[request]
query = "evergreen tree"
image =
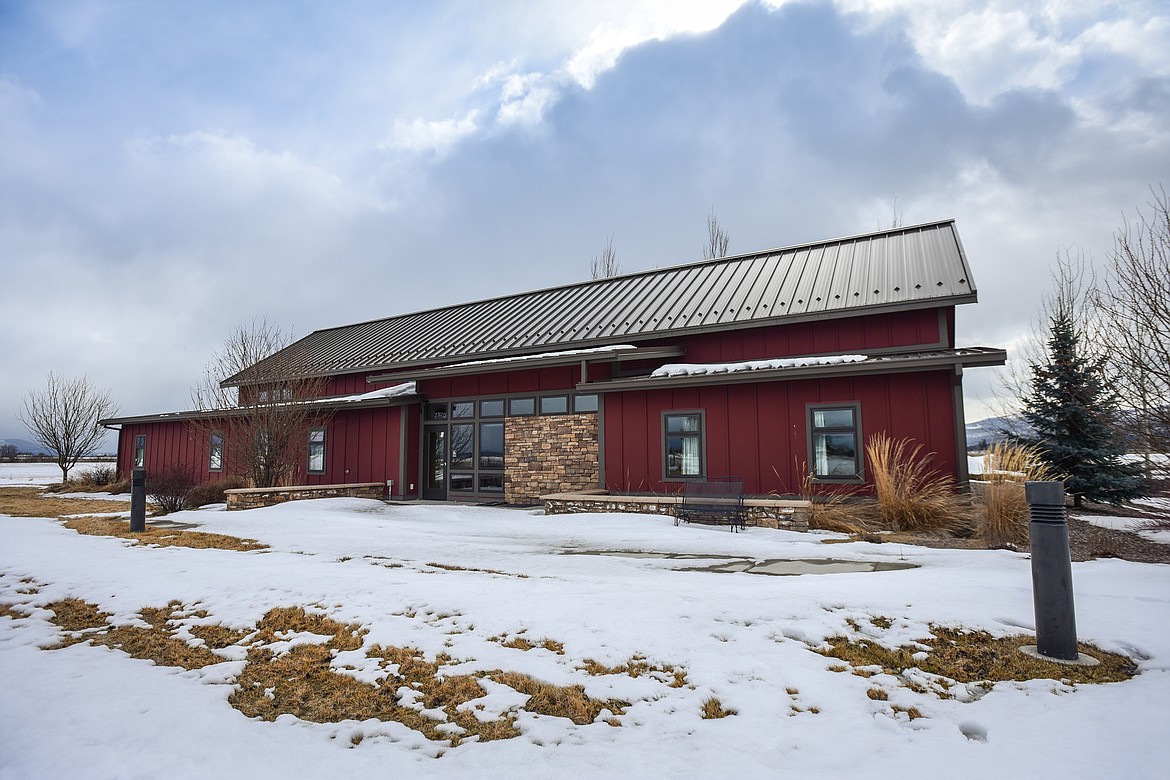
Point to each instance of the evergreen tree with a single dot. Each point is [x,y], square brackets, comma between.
[1073,414]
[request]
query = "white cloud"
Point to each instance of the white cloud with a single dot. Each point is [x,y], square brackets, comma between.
[992,47]
[1144,41]
[435,137]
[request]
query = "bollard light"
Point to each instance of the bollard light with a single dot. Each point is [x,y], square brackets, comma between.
[1052,593]
[138,501]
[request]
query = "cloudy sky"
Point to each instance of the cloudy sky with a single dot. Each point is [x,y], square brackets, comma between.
[170,170]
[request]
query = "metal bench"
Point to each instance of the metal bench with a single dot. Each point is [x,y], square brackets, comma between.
[716,500]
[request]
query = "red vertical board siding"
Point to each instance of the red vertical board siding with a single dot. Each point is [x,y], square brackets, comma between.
[413,450]
[828,336]
[493,384]
[743,432]
[758,431]
[713,400]
[615,464]
[378,448]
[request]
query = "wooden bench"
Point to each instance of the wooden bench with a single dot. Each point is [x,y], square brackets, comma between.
[716,500]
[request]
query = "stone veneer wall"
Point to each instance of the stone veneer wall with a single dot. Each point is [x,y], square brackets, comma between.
[251,498]
[549,454]
[788,514]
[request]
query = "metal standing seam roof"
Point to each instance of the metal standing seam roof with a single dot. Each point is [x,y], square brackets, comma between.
[900,268]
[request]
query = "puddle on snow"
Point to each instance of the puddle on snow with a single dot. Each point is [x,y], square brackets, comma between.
[776,567]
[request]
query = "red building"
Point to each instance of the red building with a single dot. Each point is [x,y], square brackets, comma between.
[760,366]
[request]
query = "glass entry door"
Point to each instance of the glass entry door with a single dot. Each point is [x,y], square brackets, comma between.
[435,454]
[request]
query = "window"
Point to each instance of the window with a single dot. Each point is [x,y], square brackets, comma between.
[463,446]
[683,452]
[521,406]
[286,394]
[585,403]
[491,446]
[263,396]
[834,435]
[554,404]
[436,412]
[491,408]
[463,409]
[316,450]
[140,451]
[215,453]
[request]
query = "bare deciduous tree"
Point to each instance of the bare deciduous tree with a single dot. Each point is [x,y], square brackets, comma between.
[63,417]
[897,219]
[606,264]
[262,399]
[1134,305]
[717,239]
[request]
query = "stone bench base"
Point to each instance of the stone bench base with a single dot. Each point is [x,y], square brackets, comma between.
[251,498]
[789,514]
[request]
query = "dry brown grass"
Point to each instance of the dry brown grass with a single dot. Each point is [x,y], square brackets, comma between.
[9,610]
[976,656]
[1004,518]
[156,644]
[520,642]
[713,709]
[31,502]
[85,621]
[217,637]
[637,666]
[913,713]
[302,682]
[453,567]
[72,615]
[161,537]
[290,620]
[561,701]
[911,496]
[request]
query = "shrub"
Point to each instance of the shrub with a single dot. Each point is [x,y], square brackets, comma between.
[832,509]
[99,476]
[1006,467]
[213,492]
[911,496]
[170,487]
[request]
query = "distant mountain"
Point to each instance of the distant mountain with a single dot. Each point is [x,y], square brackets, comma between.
[26,447]
[983,433]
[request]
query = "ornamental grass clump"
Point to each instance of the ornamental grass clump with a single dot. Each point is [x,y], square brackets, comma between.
[911,496]
[1003,521]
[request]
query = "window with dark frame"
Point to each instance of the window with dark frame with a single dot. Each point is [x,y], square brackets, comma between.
[584,403]
[215,453]
[521,407]
[834,442]
[554,404]
[140,451]
[316,450]
[682,445]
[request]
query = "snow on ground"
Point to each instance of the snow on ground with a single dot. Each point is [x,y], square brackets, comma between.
[93,712]
[35,474]
[1134,524]
[26,474]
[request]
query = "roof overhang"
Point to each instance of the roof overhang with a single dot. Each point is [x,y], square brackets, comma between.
[331,404]
[616,354]
[953,359]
